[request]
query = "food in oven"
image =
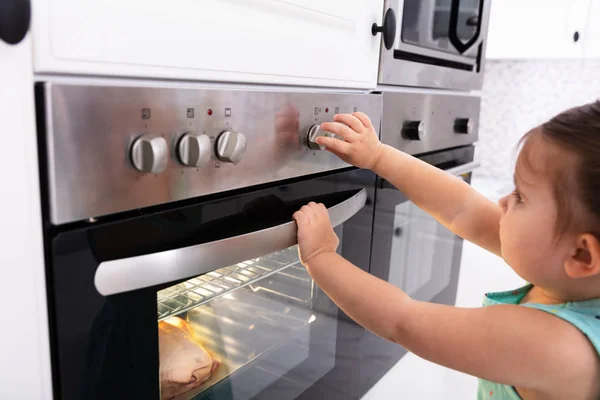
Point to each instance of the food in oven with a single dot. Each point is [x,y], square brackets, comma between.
[184,363]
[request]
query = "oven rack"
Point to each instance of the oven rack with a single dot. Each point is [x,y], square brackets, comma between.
[212,285]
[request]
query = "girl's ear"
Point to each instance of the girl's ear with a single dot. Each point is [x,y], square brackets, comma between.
[584,261]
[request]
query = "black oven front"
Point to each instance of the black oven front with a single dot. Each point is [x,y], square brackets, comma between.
[137,301]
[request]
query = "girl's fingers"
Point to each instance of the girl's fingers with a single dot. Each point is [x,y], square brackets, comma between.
[310,213]
[336,146]
[340,129]
[364,119]
[301,219]
[350,120]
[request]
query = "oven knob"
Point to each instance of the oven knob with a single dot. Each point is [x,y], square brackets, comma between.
[463,125]
[313,133]
[194,150]
[231,146]
[414,130]
[150,154]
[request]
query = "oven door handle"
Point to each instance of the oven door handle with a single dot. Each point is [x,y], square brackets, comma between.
[127,274]
[464,169]
[456,171]
[453,27]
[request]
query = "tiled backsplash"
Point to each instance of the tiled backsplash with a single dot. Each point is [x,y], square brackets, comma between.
[518,95]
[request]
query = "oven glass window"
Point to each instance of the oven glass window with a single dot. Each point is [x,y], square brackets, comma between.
[236,331]
[427,23]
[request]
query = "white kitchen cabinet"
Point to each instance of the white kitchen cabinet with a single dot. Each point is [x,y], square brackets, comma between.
[537,29]
[592,38]
[297,42]
[24,342]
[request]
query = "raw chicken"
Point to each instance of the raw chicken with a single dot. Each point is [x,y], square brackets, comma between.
[184,363]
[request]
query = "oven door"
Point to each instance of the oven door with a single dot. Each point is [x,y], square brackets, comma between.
[206,301]
[414,252]
[442,41]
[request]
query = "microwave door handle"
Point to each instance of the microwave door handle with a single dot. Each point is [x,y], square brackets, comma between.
[461,169]
[453,27]
[127,274]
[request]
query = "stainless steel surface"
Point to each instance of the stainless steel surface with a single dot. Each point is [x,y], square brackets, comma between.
[414,130]
[464,169]
[463,125]
[231,146]
[149,154]
[194,150]
[313,133]
[86,183]
[197,291]
[437,111]
[394,71]
[123,275]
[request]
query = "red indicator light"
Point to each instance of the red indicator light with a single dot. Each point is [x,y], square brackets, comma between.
[209,111]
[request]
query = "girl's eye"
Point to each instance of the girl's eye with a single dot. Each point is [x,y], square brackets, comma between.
[517,195]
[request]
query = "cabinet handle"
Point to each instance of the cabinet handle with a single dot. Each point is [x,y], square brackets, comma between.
[388,29]
[15,16]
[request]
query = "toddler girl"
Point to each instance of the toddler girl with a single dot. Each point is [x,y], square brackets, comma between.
[541,341]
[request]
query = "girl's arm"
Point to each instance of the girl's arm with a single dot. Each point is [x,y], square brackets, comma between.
[447,198]
[511,345]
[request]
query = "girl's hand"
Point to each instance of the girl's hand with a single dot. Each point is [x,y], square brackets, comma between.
[361,146]
[315,233]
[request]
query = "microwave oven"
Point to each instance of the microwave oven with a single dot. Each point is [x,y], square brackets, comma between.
[433,43]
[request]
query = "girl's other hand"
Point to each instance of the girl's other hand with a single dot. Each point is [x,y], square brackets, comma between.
[315,233]
[360,145]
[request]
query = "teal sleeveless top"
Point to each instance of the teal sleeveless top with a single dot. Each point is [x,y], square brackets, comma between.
[584,315]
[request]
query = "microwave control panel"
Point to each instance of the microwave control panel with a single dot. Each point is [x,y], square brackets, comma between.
[114,149]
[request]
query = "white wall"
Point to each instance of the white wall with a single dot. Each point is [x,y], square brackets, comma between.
[518,95]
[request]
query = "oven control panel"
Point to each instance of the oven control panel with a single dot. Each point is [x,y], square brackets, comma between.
[114,149]
[422,122]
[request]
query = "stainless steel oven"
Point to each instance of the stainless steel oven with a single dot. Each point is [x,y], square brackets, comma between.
[433,43]
[172,269]
[411,250]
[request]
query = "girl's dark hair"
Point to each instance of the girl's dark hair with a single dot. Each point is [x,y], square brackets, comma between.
[576,130]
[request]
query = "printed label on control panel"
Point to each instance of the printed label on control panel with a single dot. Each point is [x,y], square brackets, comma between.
[337,110]
[317,110]
[228,112]
[190,113]
[145,113]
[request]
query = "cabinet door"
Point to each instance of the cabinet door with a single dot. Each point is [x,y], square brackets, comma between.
[592,36]
[535,29]
[306,42]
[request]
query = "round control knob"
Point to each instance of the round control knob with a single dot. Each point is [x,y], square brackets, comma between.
[313,133]
[150,154]
[463,125]
[231,146]
[194,150]
[414,130]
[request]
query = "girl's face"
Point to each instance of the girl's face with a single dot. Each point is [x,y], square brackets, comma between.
[528,225]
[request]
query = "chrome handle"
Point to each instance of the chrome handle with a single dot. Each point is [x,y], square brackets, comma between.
[461,169]
[464,169]
[127,274]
